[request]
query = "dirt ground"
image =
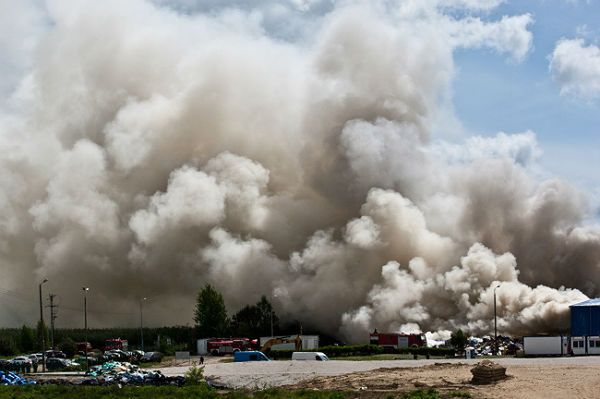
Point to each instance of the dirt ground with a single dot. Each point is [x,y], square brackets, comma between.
[524,381]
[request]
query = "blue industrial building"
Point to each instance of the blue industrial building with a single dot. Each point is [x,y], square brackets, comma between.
[585,318]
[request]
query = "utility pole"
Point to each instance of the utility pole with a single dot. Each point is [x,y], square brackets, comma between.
[42,327]
[495,323]
[271,322]
[273,296]
[85,290]
[53,316]
[142,323]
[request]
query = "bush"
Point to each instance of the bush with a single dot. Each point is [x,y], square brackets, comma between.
[195,375]
[446,352]
[366,350]
[422,394]
[335,351]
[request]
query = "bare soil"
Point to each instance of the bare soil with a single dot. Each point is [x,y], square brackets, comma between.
[524,381]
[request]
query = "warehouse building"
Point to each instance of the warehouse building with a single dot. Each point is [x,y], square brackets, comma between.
[585,327]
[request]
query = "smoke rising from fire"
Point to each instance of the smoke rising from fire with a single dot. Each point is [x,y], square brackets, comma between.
[146,152]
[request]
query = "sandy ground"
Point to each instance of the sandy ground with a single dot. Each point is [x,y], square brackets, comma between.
[531,382]
[541,378]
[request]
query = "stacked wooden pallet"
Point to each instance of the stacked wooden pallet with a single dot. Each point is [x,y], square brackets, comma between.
[487,372]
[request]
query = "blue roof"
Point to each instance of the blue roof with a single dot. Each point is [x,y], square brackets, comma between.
[589,302]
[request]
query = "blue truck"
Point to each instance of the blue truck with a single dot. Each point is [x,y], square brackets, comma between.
[249,356]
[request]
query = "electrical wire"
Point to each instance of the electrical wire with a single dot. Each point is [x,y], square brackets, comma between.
[24,298]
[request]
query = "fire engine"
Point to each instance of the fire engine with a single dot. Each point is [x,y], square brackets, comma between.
[223,346]
[397,340]
[115,343]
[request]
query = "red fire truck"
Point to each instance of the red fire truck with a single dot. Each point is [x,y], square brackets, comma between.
[392,341]
[82,347]
[115,343]
[223,346]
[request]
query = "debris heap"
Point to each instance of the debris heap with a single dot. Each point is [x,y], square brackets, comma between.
[10,378]
[487,372]
[124,373]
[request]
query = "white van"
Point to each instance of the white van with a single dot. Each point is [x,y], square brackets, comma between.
[309,356]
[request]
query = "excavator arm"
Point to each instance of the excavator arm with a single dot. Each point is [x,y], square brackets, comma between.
[276,341]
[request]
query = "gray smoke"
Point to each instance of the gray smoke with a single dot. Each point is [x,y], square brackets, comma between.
[146,151]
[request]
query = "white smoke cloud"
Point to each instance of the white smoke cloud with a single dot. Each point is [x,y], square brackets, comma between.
[521,148]
[576,68]
[193,147]
[192,199]
[419,299]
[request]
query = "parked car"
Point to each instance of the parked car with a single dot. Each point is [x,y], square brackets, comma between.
[5,365]
[116,354]
[320,356]
[21,361]
[152,357]
[55,363]
[34,358]
[137,355]
[249,356]
[55,354]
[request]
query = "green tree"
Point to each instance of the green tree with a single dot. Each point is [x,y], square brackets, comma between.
[67,345]
[245,323]
[41,329]
[458,339]
[255,320]
[265,312]
[27,339]
[210,314]
[8,347]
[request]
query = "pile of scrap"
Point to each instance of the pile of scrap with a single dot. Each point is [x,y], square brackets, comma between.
[124,373]
[485,346]
[10,378]
[487,372]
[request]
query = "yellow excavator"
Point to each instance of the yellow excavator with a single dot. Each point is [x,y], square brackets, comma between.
[282,340]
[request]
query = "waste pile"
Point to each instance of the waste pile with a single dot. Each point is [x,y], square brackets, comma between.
[10,378]
[125,373]
[484,346]
[487,372]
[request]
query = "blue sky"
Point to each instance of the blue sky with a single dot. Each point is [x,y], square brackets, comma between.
[494,94]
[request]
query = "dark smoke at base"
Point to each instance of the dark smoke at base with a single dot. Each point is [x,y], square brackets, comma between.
[185,149]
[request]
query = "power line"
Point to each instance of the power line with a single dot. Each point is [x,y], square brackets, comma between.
[16,295]
[23,298]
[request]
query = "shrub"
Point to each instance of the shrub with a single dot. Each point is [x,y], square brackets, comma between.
[366,350]
[195,375]
[422,394]
[335,351]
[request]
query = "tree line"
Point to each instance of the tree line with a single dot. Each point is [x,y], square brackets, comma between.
[210,317]
[251,321]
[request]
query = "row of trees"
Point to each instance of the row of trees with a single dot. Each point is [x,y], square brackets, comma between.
[212,320]
[25,340]
[210,316]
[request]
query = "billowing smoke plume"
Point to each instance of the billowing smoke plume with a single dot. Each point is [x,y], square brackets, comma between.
[147,149]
